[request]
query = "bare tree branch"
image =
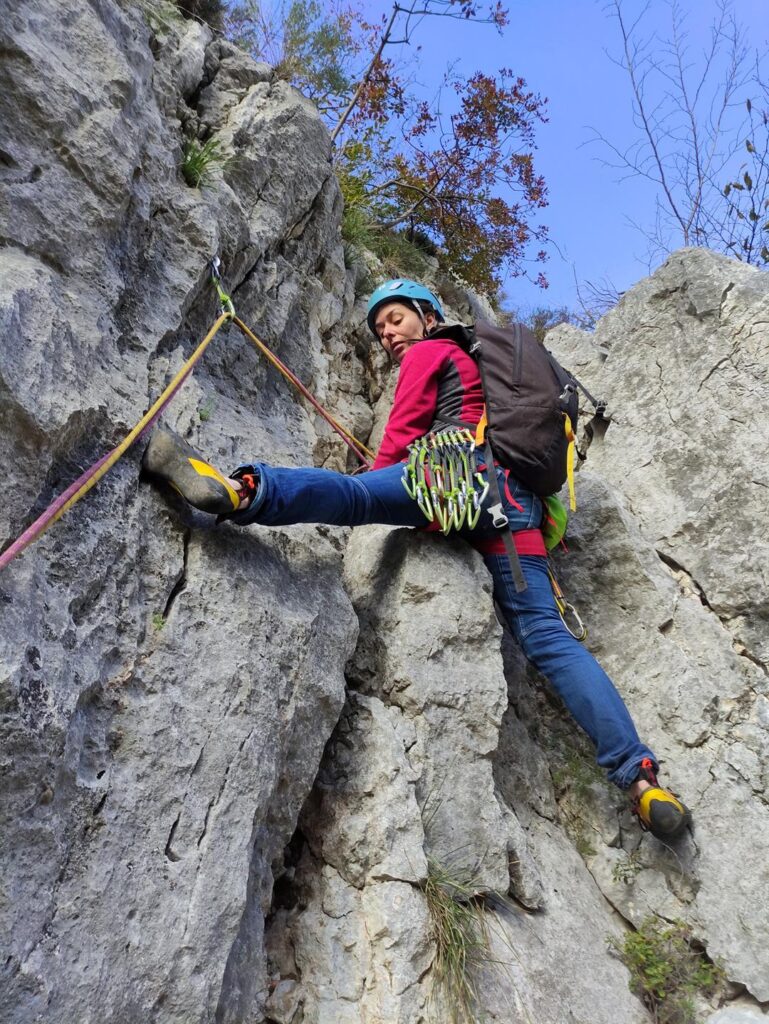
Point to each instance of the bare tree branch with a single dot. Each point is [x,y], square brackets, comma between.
[685,108]
[366,75]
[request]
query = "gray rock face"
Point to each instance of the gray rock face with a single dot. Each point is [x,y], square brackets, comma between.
[167,687]
[433,701]
[232,759]
[356,929]
[687,368]
[673,577]
[425,633]
[737,1015]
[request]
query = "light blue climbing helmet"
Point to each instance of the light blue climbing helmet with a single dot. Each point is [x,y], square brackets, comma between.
[401,290]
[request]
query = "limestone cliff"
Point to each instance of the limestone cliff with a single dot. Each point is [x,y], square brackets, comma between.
[227,755]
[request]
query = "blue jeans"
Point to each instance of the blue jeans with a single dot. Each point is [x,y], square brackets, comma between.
[287,496]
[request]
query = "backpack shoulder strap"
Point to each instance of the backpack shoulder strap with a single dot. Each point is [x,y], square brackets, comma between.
[507,537]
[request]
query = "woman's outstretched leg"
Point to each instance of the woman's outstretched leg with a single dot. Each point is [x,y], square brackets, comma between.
[272,496]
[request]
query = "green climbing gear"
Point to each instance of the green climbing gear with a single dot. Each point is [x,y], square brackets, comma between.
[555,521]
[442,475]
[224,299]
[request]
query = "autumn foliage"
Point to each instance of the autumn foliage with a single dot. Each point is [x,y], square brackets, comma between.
[456,179]
[456,169]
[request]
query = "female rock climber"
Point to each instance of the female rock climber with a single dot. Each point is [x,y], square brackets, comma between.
[438,385]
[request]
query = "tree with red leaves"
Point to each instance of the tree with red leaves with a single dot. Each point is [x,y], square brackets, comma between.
[457,171]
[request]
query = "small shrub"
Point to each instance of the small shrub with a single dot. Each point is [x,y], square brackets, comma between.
[161,15]
[199,161]
[399,256]
[206,411]
[584,846]
[574,781]
[209,11]
[539,319]
[158,621]
[577,772]
[666,970]
[421,239]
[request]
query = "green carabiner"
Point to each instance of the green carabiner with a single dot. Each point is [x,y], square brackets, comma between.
[224,299]
[423,501]
[409,478]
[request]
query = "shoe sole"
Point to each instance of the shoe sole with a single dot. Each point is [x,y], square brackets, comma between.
[169,458]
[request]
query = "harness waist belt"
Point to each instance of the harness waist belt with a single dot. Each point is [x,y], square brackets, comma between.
[527,542]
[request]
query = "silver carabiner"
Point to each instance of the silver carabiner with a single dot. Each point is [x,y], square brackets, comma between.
[571,611]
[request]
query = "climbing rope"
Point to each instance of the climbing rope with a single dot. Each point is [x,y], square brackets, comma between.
[94,473]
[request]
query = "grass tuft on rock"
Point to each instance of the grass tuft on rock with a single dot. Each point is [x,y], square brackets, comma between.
[460,931]
[399,256]
[199,161]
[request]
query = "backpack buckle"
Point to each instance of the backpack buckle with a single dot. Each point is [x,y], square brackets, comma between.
[499,517]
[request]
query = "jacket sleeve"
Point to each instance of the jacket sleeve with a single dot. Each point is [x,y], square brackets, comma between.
[414,404]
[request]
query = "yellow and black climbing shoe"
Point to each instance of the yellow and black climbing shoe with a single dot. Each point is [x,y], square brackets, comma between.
[659,811]
[169,458]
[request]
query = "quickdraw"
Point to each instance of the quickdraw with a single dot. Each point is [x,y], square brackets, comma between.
[566,610]
[215,265]
[442,475]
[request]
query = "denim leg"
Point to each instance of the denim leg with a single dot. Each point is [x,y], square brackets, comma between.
[286,496]
[582,684]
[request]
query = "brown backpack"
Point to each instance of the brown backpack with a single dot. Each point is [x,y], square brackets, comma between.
[531,406]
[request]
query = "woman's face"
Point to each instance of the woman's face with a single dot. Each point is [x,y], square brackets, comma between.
[399,327]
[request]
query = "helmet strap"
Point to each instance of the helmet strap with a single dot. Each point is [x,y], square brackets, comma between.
[420,314]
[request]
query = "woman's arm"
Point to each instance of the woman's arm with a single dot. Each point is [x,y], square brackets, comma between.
[413,408]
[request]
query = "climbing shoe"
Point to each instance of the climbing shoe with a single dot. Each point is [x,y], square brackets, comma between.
[659,811]
[169,458]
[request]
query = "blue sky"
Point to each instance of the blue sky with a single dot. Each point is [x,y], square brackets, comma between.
[560,48]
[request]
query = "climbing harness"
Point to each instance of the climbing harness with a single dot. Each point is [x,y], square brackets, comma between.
[94,473]
[442,475]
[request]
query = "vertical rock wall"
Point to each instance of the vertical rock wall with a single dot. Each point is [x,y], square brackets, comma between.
[166,685]
[513,780]
[225,774]
[671,562]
